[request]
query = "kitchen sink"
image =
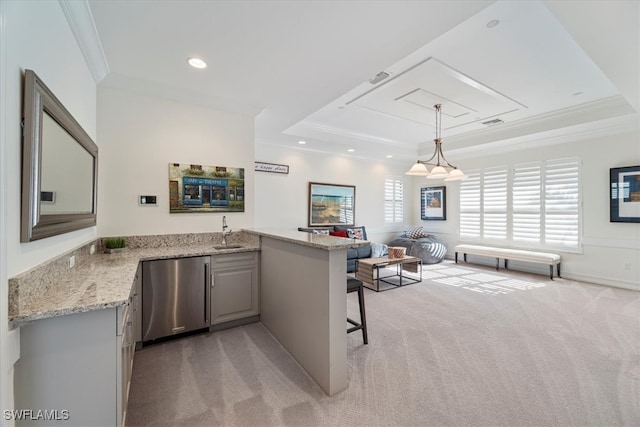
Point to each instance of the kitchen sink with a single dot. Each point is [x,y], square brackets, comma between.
[227,247]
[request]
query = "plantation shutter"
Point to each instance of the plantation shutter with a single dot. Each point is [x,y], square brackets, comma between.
[494,201]
[526,199]
[393,201]
[562,203]
[470,203]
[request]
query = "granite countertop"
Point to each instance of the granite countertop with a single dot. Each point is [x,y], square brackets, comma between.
[102,281]
[320,241]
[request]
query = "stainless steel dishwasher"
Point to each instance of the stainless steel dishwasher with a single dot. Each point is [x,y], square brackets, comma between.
[175,296]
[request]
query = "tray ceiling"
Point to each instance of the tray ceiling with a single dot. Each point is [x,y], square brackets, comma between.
[303,68]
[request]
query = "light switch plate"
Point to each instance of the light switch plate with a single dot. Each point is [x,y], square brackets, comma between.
[147,200]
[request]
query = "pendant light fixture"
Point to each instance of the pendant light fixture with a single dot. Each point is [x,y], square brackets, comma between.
[442,168]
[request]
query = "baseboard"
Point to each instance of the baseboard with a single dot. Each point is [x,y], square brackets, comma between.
[604,281]
[531,268]
[234,323]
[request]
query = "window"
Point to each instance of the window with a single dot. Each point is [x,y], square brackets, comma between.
[393,205]
[533,204]
[494,204]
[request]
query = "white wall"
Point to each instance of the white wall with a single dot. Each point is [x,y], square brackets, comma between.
[34,35]
[140,135]
[282,199]
[39,38]
[608,248]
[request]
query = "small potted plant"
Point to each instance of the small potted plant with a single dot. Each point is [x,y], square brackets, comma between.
[114,245]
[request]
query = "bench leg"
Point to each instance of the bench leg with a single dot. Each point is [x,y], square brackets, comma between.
[559,270]
[456,257]
[465,257]
[498,264]
[506,264]
[551,271]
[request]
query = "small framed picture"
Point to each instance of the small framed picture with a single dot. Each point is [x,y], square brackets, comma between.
[624,194]
[433,203]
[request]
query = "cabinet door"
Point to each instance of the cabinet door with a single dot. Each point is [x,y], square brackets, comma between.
[234,292]
[137,309]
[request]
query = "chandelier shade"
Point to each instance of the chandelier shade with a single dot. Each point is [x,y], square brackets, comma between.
[442,169]
[418,169]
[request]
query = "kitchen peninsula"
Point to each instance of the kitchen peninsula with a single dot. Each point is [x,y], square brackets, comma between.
[303,300]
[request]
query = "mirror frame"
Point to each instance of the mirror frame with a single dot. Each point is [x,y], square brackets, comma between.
[34,225]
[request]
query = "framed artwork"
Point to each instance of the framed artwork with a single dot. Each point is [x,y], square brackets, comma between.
[624,194]
[331,204]
[198,188]
[433,203]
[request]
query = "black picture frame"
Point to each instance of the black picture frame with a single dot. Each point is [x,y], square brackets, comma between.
[433,203]
[624,194]
[331,204]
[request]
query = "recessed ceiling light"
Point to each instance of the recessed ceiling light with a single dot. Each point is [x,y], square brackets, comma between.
[197,63]
[492,23]
[389,156]
[351,150]
[302,142]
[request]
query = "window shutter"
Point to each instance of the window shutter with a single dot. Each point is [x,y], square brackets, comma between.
[526,194]
[393,201]
[562,203]
[470,205]
[494,200]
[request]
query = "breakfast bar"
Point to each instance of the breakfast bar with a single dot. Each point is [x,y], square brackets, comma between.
[303,280]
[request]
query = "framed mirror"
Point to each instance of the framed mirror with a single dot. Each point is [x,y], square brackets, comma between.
[59,167]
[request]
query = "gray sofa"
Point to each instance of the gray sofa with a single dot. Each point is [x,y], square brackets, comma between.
[352,253]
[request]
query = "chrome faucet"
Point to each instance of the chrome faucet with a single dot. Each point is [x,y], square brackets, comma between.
[225,230]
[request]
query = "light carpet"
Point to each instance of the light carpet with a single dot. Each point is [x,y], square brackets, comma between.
[468,346]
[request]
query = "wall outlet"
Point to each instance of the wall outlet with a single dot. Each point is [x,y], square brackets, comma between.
[72,261]
[92,249]
[627,266]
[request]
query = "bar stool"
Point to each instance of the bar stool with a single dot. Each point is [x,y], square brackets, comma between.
[355,285]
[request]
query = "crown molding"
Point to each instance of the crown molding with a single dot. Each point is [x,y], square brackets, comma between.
[83,27]
[578,115]
[595,129]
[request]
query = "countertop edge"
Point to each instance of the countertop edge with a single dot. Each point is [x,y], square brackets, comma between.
[319,241]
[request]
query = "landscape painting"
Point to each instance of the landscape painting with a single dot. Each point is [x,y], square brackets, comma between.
[331,204]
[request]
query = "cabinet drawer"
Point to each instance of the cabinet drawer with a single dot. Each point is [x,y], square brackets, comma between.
[232,260]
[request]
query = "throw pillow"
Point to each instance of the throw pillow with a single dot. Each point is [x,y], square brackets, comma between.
[414,232]
[325,232]
[355,233]
[338,233]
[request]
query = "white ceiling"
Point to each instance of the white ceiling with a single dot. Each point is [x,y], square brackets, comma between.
[302,67]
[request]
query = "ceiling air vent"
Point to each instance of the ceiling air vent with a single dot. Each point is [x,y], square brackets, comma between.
[492,122]
[378,77]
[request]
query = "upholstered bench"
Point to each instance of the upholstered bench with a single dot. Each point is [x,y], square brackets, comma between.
[511,254]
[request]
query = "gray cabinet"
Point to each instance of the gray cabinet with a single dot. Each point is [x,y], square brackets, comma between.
[235,293]
[72,363]
[137,306]
[126,345]
[79,363]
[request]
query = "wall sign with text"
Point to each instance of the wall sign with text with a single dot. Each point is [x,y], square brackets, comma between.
[271,167]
